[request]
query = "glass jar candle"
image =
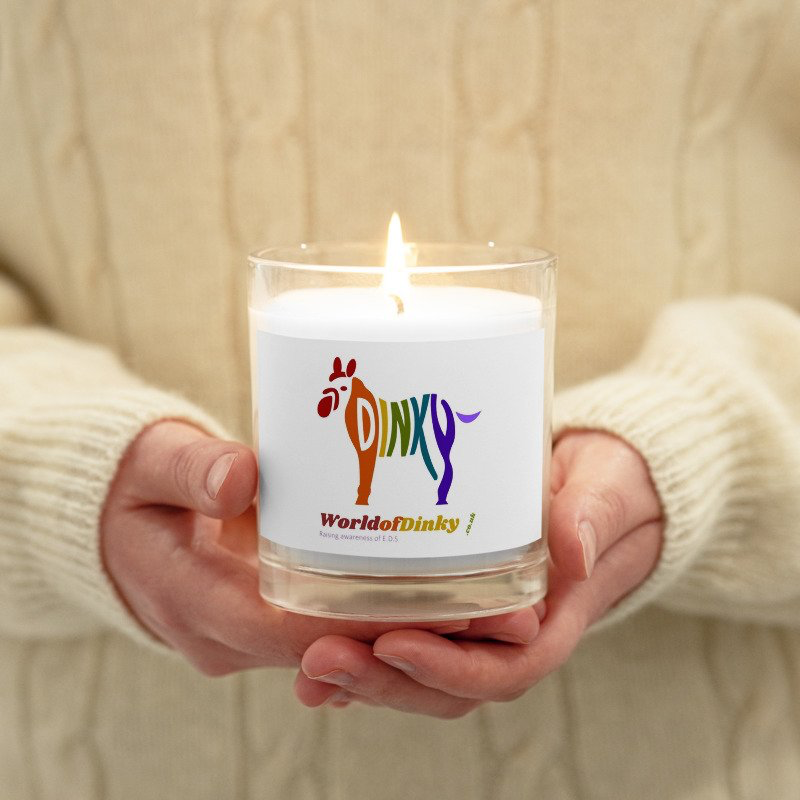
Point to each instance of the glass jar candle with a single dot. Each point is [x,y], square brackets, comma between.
[402,423]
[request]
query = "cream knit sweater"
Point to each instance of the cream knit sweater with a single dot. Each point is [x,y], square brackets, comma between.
[147,146]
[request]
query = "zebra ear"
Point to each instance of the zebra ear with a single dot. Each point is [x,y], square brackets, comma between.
[351,367]
[337,370]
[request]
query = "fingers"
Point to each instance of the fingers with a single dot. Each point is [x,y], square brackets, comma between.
[175,464]
[335,663]
[517,627]
[603,491]
[492,671]
[472,670]
[184,581]
[624,567]
[211,592]
[409,670]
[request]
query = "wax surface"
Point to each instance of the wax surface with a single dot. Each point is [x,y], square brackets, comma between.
[430,313]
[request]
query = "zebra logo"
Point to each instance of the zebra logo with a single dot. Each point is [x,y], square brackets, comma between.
[380,429]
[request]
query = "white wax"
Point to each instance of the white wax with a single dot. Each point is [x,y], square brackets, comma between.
[430,313]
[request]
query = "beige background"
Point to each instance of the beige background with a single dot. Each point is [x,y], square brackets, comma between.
[621,135]
[148,145]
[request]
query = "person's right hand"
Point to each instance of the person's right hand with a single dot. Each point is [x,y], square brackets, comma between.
[179,541]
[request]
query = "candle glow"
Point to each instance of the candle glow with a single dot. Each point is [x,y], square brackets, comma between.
[395,282]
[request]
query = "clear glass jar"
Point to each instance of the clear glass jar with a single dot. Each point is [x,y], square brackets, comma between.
[402,428]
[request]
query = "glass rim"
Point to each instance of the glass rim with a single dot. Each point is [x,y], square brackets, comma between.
[280,256]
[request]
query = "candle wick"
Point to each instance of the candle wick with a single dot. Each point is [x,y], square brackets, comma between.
[399,302]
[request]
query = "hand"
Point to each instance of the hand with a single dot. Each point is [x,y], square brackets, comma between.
[178,539]
[604,538]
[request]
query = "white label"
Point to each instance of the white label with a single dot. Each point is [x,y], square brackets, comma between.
[401,449]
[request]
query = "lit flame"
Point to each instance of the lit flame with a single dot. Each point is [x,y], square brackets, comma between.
[395,275]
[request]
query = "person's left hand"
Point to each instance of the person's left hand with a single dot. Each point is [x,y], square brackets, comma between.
[604,537]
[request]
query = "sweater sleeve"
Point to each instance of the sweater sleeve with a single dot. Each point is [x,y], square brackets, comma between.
[712,402]
[68,411]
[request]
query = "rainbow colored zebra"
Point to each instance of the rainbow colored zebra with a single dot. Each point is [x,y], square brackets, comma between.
[381,429]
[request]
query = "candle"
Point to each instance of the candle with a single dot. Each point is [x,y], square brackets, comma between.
[400,420]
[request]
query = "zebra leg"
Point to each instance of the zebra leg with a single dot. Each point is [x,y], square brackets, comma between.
[444,440]
[366,469]
[361,420]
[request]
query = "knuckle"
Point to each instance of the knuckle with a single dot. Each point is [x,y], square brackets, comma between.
[486,683]
[185,466]
[610,504]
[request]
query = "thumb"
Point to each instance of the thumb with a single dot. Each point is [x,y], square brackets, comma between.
[606,493]
[175,464]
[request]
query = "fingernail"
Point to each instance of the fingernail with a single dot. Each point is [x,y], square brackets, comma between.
[453,627]
[397,663]
[541,609]
[218,472]
[509,637]
[341,696]
[588,539]
[335,676]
